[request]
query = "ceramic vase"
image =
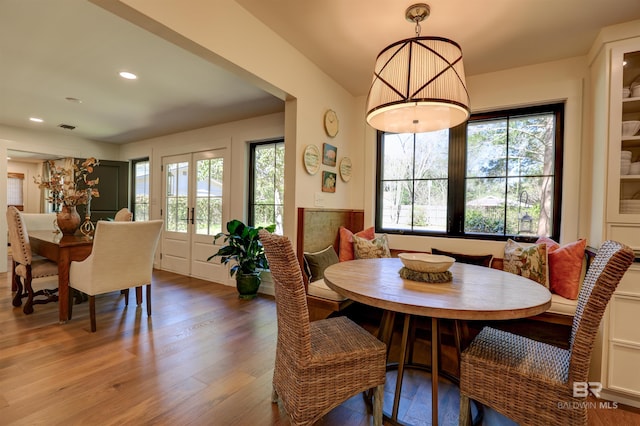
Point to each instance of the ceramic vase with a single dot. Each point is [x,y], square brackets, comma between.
[68,220]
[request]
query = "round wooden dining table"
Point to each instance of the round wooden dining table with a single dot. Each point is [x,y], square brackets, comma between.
[474,293]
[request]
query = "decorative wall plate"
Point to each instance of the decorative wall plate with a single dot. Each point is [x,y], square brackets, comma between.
[345,169]
[311,159]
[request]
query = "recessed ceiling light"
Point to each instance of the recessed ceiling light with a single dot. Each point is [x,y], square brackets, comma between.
[128,75]
[36,119]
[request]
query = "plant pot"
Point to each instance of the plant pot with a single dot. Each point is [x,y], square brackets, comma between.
[247,285]
[68,220]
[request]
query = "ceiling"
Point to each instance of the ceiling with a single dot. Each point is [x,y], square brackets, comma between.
[53,50]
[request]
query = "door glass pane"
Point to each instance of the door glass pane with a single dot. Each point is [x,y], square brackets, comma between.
[208,215]
[177,183]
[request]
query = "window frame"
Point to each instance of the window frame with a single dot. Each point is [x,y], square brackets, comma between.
[457,176]
[251,189]
[132,198]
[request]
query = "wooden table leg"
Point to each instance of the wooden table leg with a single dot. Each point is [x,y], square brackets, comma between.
[63,285]
[435,342]
[401,362]
[385,331]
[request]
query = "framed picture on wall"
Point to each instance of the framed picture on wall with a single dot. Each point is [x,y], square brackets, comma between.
[328,181]
[329,154]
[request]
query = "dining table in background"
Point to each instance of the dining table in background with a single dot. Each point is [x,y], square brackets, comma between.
[475,293]
[62,249]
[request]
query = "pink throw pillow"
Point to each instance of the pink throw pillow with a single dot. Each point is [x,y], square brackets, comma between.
[346,242]
[565,266]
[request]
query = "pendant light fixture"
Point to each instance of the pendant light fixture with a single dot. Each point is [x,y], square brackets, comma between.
[418,83]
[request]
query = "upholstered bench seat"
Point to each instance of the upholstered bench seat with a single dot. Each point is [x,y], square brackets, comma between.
[562,306]
[319,289]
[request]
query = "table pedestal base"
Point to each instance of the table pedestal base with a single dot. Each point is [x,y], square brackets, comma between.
[406,357]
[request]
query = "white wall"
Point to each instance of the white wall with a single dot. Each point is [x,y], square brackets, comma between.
[235,136]
[238,41]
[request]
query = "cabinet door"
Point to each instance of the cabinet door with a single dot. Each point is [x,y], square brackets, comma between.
[624,335]
[624,148]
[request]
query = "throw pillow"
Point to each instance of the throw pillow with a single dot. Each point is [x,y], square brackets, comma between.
[473,259]
[530,262]
[346,242]
[371,249]
[565,266]
[317,262]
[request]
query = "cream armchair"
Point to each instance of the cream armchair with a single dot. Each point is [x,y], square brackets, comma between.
[123,215]
[121,258]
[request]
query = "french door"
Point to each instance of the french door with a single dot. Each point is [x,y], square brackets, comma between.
[195,208]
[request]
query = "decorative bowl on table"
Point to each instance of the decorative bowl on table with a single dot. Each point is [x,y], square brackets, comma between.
[425,262]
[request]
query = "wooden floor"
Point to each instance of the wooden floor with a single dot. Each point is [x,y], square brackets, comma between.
[205,357]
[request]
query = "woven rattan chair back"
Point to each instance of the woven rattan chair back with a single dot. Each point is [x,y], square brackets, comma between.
[532,382]
[606,271]
[319,365]
[294,339]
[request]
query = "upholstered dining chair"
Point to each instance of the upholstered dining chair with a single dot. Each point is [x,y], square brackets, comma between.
[25,267]
[34,222]
[320,364]
[121,258]
[532,382]
[123,215]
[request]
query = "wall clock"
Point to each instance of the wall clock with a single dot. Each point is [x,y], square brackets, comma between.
[331,125]
[311,159]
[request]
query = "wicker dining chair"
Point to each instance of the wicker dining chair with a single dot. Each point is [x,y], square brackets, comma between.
[533,382]
[319,364]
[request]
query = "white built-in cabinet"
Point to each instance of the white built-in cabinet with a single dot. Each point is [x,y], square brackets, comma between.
[623,194]
[617,67]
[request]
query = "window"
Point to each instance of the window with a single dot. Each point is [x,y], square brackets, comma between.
[497,176]
[266,184]
[140,189]
[15,190]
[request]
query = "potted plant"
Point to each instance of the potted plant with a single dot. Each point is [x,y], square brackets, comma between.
[243,246]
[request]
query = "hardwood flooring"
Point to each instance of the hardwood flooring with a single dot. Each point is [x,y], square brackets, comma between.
[205,357]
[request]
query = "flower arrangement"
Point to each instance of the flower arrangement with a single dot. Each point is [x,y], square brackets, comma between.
[70,186]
